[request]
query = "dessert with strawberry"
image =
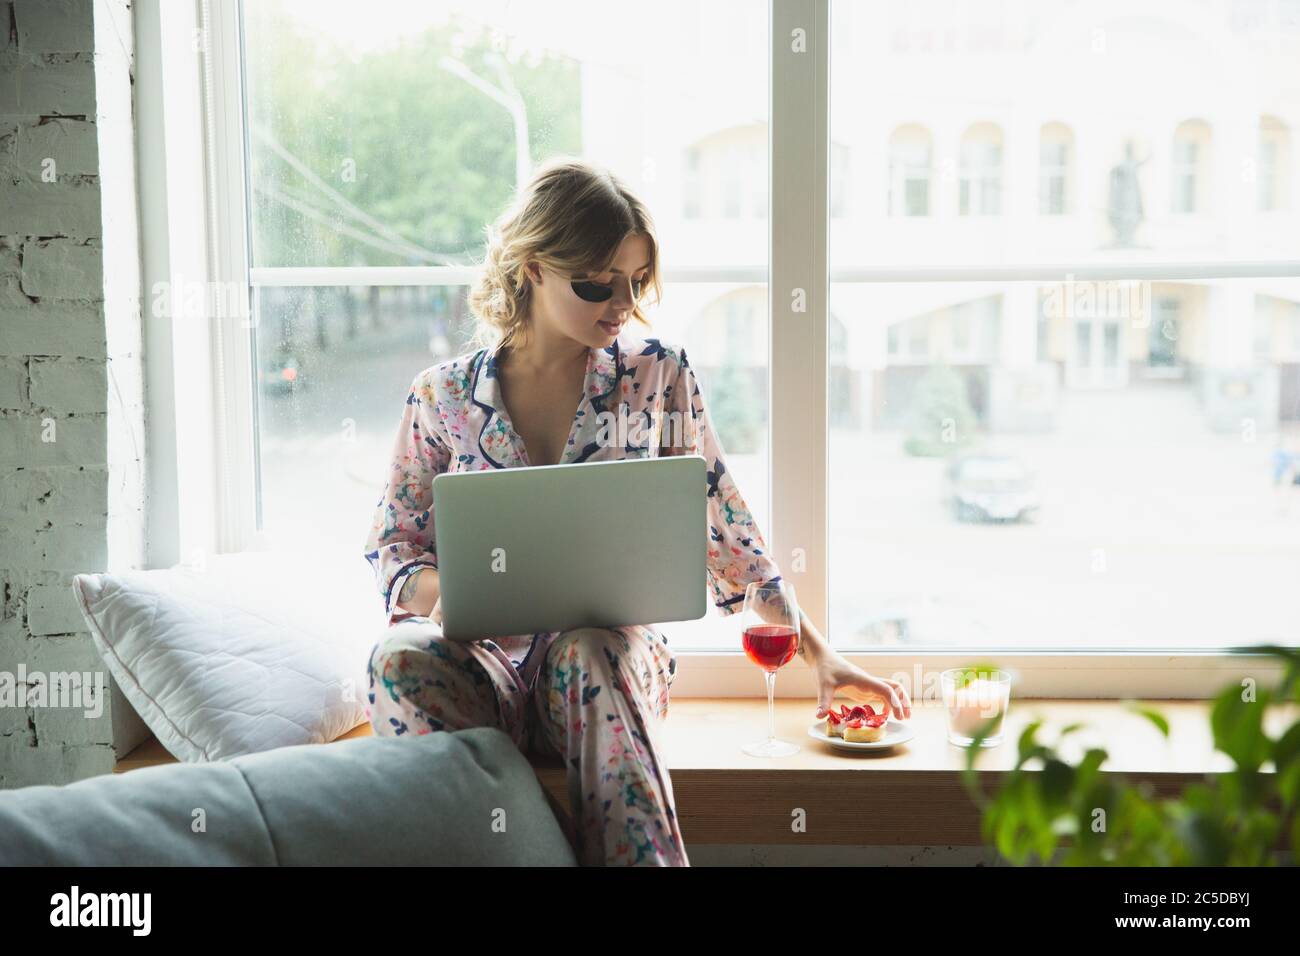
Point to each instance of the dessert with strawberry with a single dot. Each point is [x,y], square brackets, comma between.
[859,724]
[835,722]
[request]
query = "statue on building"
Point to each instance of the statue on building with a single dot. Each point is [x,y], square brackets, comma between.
[1124,206]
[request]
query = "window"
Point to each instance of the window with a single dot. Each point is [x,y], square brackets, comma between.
[1277,341]
[1162,349]
[981,171]
[961,336]
[1043,329]
[360,250]
[725,175]
[909,172]
[1190,170]
[1274,162]
[1267,173]
[1185,175]
[1054,170]
[1264,321]
[1045,332]
[918,339]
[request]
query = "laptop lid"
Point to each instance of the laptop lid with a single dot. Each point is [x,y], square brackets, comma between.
[556,547]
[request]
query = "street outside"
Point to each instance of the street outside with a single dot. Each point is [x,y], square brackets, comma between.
[1154,532]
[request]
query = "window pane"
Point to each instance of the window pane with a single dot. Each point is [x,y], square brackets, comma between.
[1163,349]
[394,138]
[1128,490]
[334,367]
[381,140]
[1155,421]
[335,364]
[1167,170]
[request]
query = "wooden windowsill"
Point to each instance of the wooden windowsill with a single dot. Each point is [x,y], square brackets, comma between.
[910,795]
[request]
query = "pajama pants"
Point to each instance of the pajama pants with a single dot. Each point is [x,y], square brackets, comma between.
[597,701]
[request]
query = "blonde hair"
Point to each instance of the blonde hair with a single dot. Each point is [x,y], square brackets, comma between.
[571,217]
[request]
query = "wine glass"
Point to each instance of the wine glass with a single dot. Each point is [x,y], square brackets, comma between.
[770,638]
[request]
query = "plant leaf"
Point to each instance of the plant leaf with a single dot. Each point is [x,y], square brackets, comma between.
[970,672]
[1157,718]
[1027,745]
[1238,727]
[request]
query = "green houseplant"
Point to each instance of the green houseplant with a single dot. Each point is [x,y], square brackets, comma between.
[1073,814]
[733,410]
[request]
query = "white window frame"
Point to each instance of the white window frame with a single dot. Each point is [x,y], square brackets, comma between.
[798,370]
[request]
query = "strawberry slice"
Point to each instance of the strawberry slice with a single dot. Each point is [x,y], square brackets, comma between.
[874,720]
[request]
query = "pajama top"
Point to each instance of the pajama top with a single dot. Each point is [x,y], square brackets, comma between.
[455,420]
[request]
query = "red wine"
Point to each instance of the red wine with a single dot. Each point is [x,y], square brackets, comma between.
[770,645]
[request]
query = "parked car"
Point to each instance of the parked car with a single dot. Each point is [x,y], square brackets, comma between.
[990,487]
[279,371]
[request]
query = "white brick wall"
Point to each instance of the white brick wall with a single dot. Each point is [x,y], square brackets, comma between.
[71,402]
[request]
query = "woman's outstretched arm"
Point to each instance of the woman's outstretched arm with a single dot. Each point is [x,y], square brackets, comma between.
[738,555]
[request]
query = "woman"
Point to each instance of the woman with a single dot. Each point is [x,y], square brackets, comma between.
[565,272]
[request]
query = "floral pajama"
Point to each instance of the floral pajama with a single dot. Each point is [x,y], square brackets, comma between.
[598,697]
[598,694]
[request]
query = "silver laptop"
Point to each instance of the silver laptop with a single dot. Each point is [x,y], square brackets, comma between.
[555,547]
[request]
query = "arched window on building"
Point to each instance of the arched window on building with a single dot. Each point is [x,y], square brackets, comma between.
[910,167]
[1271,180]
[1190,168]
[724,175]
[981,171]
[1055,170]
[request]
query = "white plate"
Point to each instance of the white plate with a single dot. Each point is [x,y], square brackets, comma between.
[896,732]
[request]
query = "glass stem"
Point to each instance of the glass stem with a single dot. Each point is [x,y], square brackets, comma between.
[771,705]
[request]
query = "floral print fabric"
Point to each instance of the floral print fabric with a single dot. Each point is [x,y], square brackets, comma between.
[598,703]
[640,399]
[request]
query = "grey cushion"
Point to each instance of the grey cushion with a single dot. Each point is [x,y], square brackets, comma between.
[467,798]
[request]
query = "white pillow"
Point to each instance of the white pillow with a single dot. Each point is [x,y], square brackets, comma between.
[255,651]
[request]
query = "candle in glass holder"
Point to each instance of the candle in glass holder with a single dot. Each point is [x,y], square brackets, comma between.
[972,706]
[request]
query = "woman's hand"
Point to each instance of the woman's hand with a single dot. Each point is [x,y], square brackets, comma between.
[833,672]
